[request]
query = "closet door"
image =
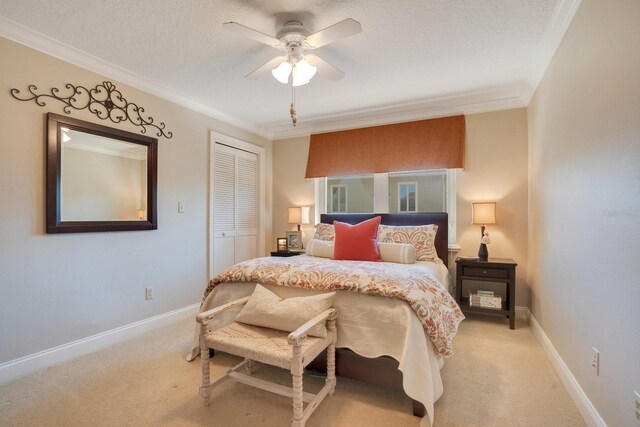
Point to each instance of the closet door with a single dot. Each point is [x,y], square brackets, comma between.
[246,206]
[235,205]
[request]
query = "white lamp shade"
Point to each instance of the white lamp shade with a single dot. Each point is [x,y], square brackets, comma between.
[305,215]
[299,215]
[303,72]
[483,213]
[282,71]
[295,215]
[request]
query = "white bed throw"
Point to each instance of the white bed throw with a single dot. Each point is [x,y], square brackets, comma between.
[370,325]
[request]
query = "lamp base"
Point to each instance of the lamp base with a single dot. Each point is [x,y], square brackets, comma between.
[483,252]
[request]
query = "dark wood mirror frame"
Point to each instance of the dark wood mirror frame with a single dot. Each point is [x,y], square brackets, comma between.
[54,151]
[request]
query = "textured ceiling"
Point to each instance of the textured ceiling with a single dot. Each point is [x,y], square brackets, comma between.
[408,51]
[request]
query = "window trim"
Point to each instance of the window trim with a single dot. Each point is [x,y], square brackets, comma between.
[407,183]
[346,198]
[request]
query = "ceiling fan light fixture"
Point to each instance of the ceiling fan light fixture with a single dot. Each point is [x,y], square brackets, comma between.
[294,40]
[282,71]
[303,72]
[307,70]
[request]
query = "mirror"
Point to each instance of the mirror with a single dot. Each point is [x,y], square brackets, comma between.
[99,178]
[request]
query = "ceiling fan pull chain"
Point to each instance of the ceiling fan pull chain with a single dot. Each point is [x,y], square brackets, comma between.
[292,110]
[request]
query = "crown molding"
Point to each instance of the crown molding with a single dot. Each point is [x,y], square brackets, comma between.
[496,99]
[553,35]
[26,36]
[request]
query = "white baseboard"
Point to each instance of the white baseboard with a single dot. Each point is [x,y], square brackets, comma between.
[25,365]
[586,408]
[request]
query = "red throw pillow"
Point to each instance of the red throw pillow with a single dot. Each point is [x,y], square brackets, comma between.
[357,242]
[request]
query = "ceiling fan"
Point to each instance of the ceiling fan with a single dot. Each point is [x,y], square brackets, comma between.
[296,41]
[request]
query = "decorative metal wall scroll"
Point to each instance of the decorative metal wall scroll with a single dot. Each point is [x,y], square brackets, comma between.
[104,100]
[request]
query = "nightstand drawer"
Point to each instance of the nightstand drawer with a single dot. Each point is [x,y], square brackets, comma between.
[485,272]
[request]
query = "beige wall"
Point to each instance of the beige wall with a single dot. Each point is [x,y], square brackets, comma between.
[496,169]
[60,288]
[584,124]
[289,186]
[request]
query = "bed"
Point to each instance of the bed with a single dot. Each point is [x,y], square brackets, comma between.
[381,340]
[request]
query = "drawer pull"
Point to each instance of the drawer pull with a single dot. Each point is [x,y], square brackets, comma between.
[498,273]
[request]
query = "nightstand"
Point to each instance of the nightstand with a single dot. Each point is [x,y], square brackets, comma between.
[497,270]
[286,254]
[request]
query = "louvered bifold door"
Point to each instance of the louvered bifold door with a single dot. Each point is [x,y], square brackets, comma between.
[246,205]
[224,207]
[235,210]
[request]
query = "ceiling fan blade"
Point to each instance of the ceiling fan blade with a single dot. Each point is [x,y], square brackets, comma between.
[241,30]
[265,69]
[324,68]
[341,30]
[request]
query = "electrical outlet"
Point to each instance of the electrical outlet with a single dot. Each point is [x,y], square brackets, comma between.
[595,363]
[180,207]
[637,396]
[148,293]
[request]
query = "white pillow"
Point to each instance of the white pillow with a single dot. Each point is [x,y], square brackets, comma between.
[320,248]
[402,253]
[268,310]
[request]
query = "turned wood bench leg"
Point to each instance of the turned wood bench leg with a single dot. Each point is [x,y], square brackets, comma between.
[205,388]
[296,373]
[331,357]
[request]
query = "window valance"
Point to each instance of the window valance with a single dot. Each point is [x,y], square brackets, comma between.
[420,145]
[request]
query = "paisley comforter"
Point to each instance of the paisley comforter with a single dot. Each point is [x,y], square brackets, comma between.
[435,308]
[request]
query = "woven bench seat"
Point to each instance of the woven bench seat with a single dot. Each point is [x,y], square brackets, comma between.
[263,344]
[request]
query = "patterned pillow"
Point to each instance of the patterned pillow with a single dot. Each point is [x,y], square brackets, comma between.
[421,236]
[326,232]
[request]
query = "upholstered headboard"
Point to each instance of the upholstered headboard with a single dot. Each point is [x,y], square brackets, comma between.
[439,219]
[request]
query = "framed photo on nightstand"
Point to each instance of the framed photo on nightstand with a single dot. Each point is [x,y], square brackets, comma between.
[294,240]
[282,244]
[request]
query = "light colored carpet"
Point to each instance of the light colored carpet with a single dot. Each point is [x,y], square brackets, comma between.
[497,377]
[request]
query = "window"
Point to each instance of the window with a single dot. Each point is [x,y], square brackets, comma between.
[401,192]
[349,194]
[424,191]
[407,197]
[338,198]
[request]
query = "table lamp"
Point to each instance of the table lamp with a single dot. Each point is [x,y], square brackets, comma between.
[299,216]
[483,213]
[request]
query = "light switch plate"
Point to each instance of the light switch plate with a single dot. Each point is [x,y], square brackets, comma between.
[180,207]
